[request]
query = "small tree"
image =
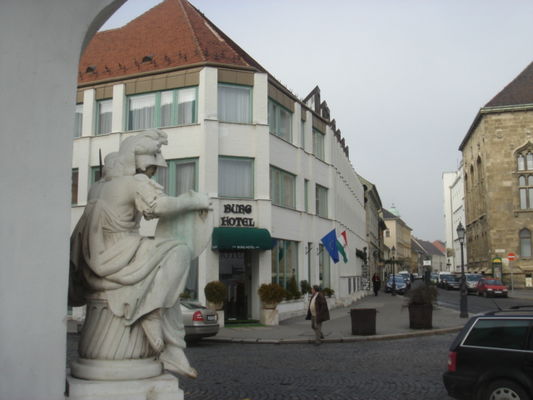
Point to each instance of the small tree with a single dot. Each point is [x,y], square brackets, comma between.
[271,293]
[305,287]
[292,289]
[215,292]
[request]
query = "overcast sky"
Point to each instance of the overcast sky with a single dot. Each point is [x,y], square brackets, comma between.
[403,79]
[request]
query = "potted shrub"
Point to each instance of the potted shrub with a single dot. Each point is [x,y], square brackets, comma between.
[271,294]
[215,294]
[292,290]
[420,298]
[305,287]
[328,292]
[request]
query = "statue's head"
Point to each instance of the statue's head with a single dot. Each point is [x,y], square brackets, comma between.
[142,151]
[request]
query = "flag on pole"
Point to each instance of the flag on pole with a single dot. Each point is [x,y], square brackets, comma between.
[342,242]
[330,243]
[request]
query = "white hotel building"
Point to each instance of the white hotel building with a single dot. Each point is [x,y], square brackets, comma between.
[275,167]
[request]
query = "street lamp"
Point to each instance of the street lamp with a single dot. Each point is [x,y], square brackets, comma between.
[393,250]
[463,290]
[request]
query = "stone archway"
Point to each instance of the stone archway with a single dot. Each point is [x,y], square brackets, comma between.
[39,53]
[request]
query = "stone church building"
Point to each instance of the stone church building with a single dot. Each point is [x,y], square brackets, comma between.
[498,178]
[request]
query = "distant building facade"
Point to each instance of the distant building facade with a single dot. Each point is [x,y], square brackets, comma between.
[453,190]
[375,226]
[398,236]
[498,180]
[276,167]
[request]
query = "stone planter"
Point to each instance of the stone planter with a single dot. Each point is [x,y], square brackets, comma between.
[269,316]
[215,306]
[420,316]
[269,306]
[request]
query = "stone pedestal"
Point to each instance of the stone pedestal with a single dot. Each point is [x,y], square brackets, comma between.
[269,316]
[220,314]
[162,387]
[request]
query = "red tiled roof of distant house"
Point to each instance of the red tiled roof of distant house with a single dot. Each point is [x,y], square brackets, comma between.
[518,92]
[170,35]
[439,245]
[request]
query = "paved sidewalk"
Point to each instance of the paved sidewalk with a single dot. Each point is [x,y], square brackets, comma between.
[392,322]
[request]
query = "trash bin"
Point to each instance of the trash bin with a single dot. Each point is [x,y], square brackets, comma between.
[363,321]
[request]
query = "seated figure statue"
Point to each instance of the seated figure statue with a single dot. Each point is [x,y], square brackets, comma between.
[131,283]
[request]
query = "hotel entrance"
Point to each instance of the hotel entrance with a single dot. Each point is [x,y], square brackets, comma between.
[235,269]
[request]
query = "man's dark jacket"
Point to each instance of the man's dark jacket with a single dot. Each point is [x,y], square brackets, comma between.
[322,312]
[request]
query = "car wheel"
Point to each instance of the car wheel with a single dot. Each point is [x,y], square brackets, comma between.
[486,294]
[505,390]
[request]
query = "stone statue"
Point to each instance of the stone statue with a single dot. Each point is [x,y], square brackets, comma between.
[131,283]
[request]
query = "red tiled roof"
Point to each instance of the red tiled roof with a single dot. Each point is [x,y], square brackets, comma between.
[518,92]
[171,34]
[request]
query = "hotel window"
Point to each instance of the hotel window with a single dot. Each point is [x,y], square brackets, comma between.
[103,116]
[279,120]
[78,117]
[302,134]
[321,196]
[323,267]
[525,190]
[525,243]
[235,177]
[234,103]
[284,262]
[318,144]
[94,175]
[179,177]
[282,188]
[161,109]
[74,186]
[306,195]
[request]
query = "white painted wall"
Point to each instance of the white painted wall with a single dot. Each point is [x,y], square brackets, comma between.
[40,53]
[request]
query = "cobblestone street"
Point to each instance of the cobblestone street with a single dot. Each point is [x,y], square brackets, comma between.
[383,370]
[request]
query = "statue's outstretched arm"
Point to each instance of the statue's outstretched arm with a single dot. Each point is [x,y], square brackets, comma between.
[166,206]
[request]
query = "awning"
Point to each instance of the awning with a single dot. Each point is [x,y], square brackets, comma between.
[225,238]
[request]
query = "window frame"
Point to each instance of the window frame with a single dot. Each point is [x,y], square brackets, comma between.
[175,115]
[274,120]
[319,146]
[524,239]
[169,186]
[321,210]
[98,120]
[283,278]
[252,177]
[74,185]
[281,188]
[78,120]
[249,90]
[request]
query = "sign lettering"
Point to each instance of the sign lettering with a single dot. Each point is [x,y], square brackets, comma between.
[240,209]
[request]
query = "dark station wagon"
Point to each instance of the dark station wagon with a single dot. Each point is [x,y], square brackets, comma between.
[492,357]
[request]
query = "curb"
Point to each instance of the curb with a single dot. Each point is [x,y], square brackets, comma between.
[349,339]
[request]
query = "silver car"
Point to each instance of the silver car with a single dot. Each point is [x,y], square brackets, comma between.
[199,321]
[471,282]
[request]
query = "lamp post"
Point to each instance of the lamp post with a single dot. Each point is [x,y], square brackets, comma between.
[463,306]
[393,250]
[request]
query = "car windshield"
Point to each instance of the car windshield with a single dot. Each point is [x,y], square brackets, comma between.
[397,279]
[473,277]
[493,282]
[452,278]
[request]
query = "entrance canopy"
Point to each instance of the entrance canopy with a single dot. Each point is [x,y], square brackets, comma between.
[241,239]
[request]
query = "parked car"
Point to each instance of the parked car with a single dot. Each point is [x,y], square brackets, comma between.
[406,276]
[471,282]
[492,357]
[199,321]
[491,287]
[434,278]
[399,281]
[442,280]
[452,282]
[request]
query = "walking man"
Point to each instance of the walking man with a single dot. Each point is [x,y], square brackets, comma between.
[317,312]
